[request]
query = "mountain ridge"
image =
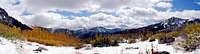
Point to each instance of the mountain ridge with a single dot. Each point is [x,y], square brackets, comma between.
[164,26]
[10,21]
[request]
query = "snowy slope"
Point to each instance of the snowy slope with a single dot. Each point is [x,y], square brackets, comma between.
[24,47]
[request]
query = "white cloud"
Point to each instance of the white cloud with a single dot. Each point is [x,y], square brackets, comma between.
[166,0]
[198,3]
[129,13]
[44,19]
[186,14]
[96,20]
[76,5]
[137,12]
[100,19]
[164,5]
[145,16]
[45,4]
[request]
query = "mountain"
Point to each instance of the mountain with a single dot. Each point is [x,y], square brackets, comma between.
[194,21]
[10,21]
[85,33]
[168,25]
[164,26]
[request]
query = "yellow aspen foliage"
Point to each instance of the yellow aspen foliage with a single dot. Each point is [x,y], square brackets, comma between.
[38,35]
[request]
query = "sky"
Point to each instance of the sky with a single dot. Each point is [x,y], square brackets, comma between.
[85,14]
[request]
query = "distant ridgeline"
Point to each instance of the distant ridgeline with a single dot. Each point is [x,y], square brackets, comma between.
[8,20]
[164,26]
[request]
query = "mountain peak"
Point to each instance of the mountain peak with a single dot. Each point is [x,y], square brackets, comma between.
[173,19]
[3,13]
[98,28]
[10,21]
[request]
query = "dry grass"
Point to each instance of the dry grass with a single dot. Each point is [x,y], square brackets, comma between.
[39,36]
[162,34]
[192,28]
[193,36]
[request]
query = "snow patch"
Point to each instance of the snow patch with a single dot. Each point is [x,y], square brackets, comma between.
[142,47]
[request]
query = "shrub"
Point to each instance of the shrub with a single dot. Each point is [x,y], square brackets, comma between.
[192,28]
[102,41]
[38,35]
[44,37]
[131,40]
[191,42]
[9,32]
[163,34]
[9,35]
[193,37]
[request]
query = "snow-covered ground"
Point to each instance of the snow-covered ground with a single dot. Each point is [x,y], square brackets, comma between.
[24,47]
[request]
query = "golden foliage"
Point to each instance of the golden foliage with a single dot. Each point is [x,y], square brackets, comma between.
[161,34]
[44,37]
[39,36]
[193,36]
[9,32]
[193,40]
[102,41]
[192,28]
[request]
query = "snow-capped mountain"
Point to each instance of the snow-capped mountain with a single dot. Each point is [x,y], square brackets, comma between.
[194,21]
[173,22]
[8,20]
[166,25]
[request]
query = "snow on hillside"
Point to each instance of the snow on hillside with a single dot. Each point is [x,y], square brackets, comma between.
[24,47]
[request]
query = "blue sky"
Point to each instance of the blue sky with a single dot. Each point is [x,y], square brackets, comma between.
[180,5]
